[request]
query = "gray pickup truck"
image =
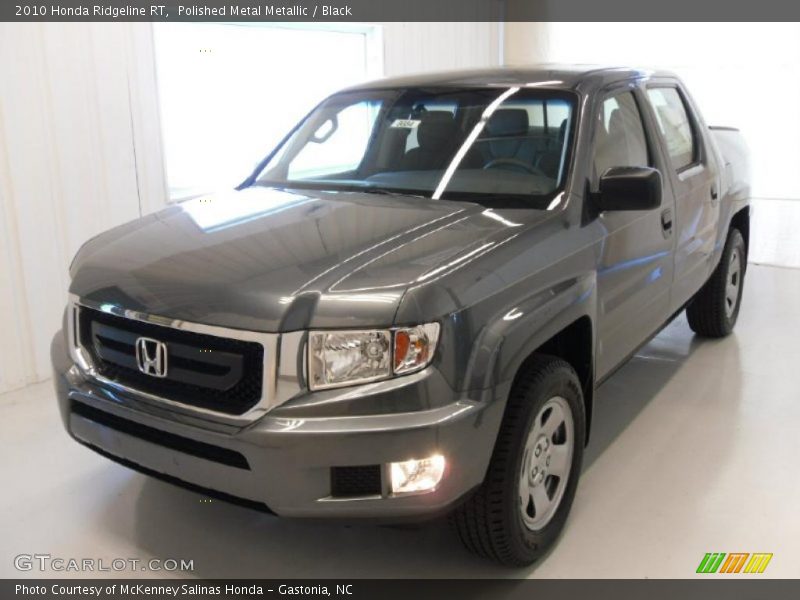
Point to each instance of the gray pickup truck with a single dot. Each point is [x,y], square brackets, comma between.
[405,310]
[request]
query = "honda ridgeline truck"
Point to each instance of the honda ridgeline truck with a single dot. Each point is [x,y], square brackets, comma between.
[407,307]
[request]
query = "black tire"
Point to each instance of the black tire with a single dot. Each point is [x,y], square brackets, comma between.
[713,312]
[490,523]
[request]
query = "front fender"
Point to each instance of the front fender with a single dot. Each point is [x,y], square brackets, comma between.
[514,334]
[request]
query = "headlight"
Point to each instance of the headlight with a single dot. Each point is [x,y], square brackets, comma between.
[339,358]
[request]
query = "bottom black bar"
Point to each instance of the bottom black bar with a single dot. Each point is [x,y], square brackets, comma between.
[390,589]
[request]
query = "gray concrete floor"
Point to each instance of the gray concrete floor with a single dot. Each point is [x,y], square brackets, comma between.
[695,449]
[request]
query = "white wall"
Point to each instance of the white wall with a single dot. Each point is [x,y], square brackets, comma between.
[743,75]
[73,162]
[420,47]
[80,151]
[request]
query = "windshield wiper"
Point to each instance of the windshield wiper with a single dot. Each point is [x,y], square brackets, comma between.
[325,186]
[387,192]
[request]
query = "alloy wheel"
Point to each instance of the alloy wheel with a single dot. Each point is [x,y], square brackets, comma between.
[546,463]
[733,283]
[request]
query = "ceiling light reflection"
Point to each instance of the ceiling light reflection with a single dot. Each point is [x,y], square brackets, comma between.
[493,215]
[455,262]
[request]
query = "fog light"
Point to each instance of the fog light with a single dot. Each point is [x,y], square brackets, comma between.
[421,475]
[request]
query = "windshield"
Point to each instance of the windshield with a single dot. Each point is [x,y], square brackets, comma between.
[474,143]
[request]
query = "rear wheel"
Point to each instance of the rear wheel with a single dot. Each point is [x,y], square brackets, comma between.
[714,309]
[524,501]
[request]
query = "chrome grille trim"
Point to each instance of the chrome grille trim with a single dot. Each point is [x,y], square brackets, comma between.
[279,383]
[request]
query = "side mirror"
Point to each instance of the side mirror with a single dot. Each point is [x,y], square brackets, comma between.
[629,188]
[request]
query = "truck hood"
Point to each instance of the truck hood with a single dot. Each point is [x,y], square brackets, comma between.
[273,260]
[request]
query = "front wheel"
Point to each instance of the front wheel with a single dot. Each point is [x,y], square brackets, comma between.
[524,501]
[714,309]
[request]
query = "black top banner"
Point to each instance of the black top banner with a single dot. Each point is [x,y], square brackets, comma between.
[399,10]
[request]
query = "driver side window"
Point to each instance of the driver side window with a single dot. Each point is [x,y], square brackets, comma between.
[619,137]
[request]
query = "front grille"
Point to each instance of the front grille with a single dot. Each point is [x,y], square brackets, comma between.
[210,452]
[205,371]
[356,481]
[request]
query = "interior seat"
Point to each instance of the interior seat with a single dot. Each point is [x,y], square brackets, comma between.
[508,137]
[436,135]
[551,160]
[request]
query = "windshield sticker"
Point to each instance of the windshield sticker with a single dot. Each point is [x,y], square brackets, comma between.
[406,123]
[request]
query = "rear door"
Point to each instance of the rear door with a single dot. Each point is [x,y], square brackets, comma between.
[694,180]
[636,266]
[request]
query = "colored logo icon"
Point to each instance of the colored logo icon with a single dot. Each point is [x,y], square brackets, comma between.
[735,562]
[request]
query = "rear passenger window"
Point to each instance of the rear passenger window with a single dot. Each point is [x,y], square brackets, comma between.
[673,121]
[620,140]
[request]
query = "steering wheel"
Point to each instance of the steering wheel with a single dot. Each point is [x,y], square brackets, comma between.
[514,163]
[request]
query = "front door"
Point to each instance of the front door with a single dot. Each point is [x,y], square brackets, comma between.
[636,263]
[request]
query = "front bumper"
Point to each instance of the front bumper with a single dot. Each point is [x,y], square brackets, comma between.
[289,458]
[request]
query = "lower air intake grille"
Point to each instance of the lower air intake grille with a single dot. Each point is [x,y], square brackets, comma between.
[355,481]
[210,452]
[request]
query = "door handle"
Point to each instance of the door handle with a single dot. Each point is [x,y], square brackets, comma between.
[714,193]
[666,220]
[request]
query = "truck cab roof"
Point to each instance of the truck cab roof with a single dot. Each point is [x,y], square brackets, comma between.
[557,76]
